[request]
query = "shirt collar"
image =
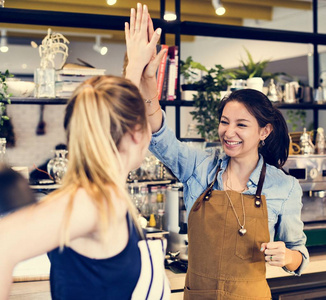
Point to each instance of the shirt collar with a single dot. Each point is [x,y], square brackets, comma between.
[254,177]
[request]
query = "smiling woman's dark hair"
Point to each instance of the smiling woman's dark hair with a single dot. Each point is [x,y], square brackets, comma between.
[276,148]
[15,192]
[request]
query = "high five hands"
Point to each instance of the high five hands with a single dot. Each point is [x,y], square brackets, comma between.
[141,40]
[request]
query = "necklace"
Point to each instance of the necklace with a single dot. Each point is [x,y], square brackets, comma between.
[242,231]
[230,186]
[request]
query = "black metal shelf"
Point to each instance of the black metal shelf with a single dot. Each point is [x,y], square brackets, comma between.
[175,103]
[177,28]
[110,22]
[300,106]
[250,33]
[31,100]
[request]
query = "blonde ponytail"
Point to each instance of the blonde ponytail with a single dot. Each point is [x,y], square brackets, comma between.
[99,113]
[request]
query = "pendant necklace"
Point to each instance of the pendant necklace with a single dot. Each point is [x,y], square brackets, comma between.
[242,231]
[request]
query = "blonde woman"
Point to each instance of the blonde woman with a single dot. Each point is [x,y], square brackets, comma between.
[88,225]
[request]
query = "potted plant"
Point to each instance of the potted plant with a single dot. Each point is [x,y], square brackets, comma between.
[253,72]
[207,100]
[191,74]
[250,69]
[4,97]
[4,119]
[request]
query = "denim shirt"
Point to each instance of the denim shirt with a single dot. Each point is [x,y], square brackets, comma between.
[196,169]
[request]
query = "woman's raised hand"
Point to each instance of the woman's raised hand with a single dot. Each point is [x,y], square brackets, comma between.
[141,40]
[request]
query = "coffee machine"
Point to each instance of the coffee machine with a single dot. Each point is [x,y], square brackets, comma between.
[310,170]
[176,222]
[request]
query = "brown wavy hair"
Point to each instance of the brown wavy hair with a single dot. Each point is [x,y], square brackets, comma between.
[276,148]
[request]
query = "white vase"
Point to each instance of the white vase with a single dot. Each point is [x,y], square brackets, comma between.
[255,83]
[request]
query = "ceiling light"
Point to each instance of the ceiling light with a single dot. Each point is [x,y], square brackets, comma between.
[111,2]
[98,47]
[3,44]
[219,8]
[170,16]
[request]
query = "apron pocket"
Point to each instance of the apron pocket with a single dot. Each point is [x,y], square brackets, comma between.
[245,244]
[199,294]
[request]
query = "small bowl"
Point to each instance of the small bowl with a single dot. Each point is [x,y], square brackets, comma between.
[20,88]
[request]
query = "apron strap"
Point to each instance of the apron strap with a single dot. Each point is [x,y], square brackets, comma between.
[260,185]
[209,190]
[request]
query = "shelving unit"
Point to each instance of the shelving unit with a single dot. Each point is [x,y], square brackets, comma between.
[177,104]
[178,28]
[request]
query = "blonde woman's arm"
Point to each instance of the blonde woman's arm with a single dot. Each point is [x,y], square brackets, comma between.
[35,230]
[141,40]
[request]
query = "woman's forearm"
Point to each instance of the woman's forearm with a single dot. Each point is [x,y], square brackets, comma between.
[5,278]
[294,259]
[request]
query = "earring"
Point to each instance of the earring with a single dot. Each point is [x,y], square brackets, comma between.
[263,142]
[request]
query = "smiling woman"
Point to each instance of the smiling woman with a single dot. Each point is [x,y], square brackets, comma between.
[238,192]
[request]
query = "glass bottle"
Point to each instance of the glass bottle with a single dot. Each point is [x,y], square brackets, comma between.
[320,141]
[136,196]
[145,209]
[153,202]
[3,143]
[192,131]
[161,208]
[305,143]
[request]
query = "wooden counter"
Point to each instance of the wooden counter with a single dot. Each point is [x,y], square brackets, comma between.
[31,277]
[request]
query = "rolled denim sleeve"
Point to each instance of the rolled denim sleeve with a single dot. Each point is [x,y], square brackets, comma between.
[290,226]
[177,156]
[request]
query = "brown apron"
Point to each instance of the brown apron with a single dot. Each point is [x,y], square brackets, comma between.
[221,263]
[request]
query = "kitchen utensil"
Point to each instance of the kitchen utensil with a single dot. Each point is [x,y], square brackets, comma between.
[291,92]
[306,145]
[272,93]
[306,94]
[40,129]
[293,147]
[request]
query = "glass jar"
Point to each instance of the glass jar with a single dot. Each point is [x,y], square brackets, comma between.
[57,166]
[193,138]
[51,163]
[60,166]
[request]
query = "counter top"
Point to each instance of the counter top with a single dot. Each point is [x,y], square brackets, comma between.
[31,278]
[38,268]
